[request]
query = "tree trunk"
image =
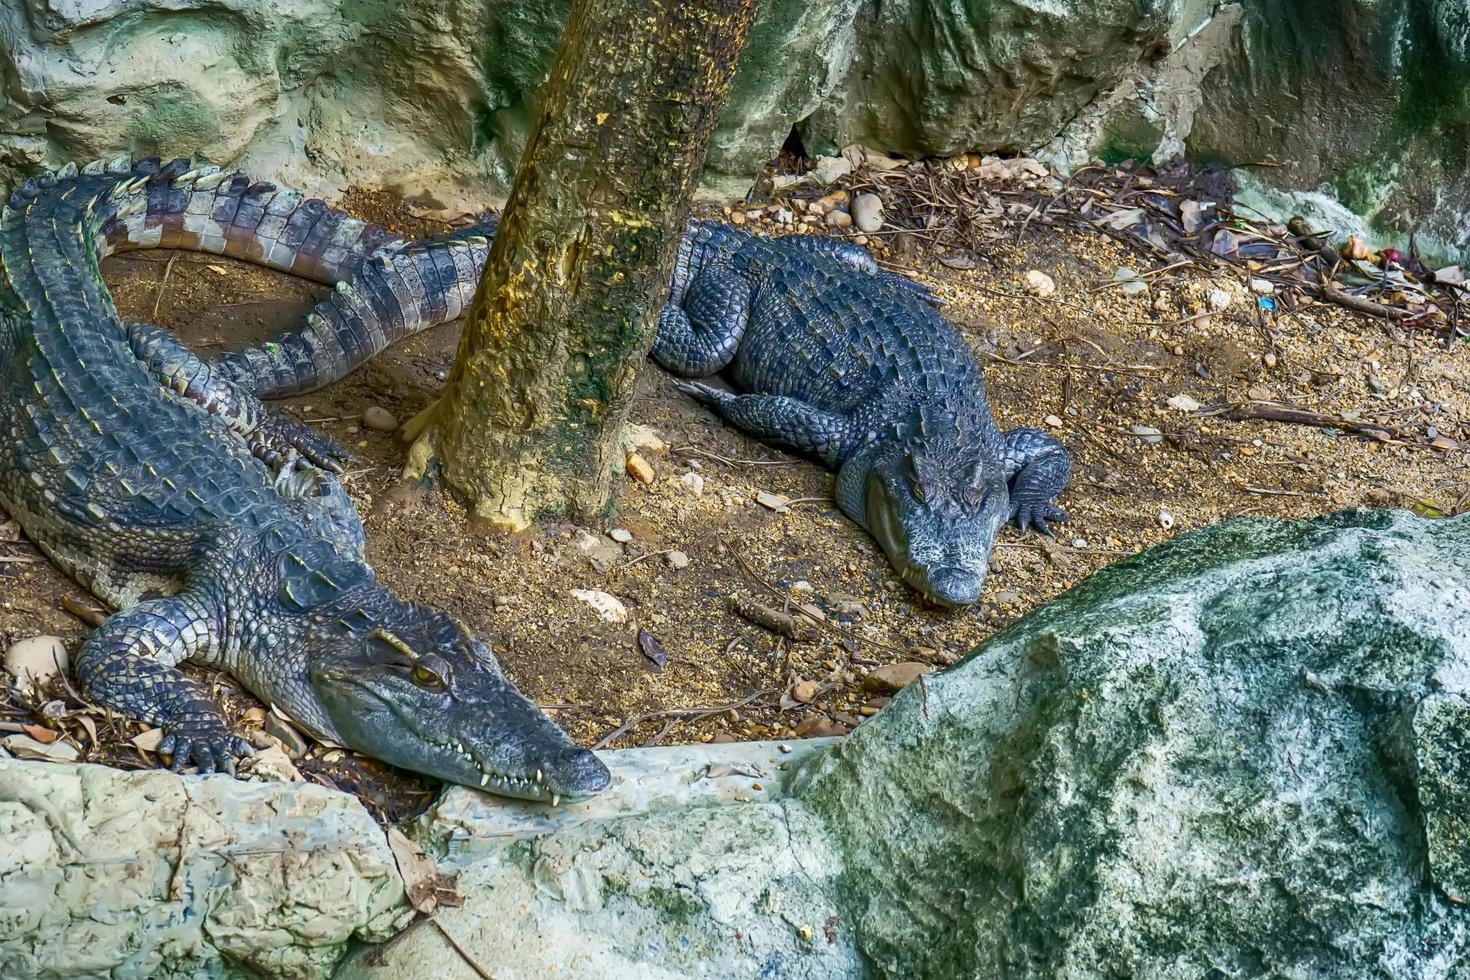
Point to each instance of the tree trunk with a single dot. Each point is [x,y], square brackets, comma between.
[530,423]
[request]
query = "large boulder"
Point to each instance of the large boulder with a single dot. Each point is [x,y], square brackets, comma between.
[1246,752]
[1241,753]
[322,94]
[149,874]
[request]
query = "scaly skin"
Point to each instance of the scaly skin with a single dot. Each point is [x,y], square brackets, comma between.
[836,358]
[872,381]
[161,505]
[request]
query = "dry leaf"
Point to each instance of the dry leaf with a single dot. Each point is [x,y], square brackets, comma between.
[427,888]
[651,648]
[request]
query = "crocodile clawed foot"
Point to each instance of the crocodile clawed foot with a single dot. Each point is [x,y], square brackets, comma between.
[1037,515]
[703,393]
[277,437]
[205,743]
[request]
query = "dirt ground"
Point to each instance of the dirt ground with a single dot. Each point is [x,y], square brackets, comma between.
[1093,365]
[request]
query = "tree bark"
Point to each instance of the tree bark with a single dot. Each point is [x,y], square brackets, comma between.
[530,423]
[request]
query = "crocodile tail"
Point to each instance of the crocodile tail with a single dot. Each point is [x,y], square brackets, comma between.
[405,288]
[401,290]
[205,209]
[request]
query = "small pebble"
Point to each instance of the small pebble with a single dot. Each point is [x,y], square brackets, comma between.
[694,482]
[805,691]
[379,419]
[1053,421]
[838,219]
[293,743]
[621,535]
[639,468]
[895,677]
[34,661]
[1038,283]
[677,559]
[867,212]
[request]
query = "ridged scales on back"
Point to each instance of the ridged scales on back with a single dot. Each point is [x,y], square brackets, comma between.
[869,377]
[144,475]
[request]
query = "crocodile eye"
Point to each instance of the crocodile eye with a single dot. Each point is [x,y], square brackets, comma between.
[424,677]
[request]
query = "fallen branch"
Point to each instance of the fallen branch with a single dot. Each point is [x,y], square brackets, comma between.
[686,714]
[1362,305]
[799,630]
[1277,412]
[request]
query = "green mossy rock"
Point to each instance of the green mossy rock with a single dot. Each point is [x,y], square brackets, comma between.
[1240,754]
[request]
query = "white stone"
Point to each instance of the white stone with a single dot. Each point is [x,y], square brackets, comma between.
[1038,283]
[694,482]
[117,873]
[867,212]
[608,607]
[34,661]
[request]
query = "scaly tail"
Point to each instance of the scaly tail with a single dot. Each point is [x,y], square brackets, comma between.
[402,289]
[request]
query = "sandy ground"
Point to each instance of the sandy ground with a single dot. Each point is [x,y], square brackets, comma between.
[1093,365]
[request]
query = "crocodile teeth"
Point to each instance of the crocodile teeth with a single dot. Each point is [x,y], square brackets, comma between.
[485,779]
[555,799]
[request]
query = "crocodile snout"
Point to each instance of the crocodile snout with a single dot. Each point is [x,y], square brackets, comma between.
[955,586]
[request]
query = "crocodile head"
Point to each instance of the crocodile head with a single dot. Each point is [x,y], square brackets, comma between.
[409,685]
[935,509]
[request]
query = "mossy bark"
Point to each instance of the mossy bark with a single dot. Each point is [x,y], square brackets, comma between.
[530,422]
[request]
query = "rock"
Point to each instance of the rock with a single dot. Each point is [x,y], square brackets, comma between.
[643,439]
[600,552]
[694,482]
[1262,287]
[1120,709]
[1184,403]
[293,743]
[677,559]
[819,726]
[124,873]
[1128,277]
[1054,421]
[1152,775]
[829,170]
[639,468]
[1147,434]
[379,419]
[1219,300]
[35,661]
[1038,283]
[26,747]
[607,606]
[895,677]
[867,212]
[621,535]
[805,691]
[849,606]
[838,219]
[270,765]
[773,501]
[1256,393]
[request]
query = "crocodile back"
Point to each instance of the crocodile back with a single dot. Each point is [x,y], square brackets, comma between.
[847,343]
[118,480]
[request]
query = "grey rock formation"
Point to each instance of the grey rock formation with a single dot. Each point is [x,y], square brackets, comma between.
[148,874]
[1359,99]
[1242,753]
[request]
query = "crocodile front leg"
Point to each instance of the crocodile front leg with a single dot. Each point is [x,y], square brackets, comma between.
[778,418]
[1037,467]
[271,436]
[699,337]
[129,664]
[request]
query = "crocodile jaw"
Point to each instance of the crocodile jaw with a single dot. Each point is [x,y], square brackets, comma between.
[943,557]
[481,733]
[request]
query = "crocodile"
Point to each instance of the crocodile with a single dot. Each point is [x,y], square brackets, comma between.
[835,357]
[196,513]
